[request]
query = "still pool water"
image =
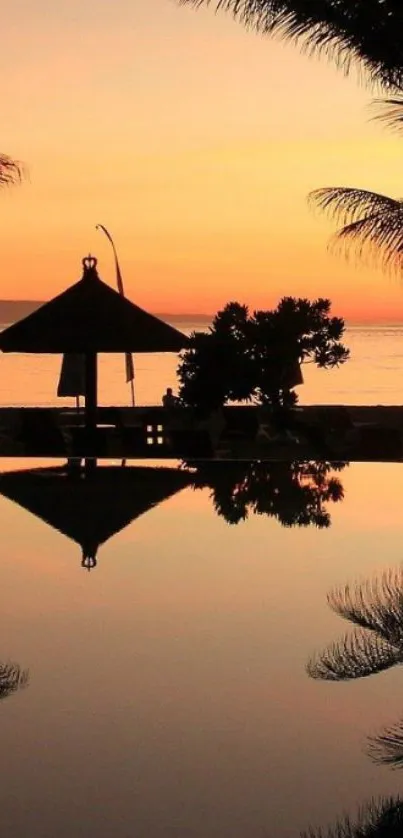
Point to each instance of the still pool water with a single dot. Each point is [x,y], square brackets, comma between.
[168,694]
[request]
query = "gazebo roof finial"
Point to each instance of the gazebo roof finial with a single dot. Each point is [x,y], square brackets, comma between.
[89,264]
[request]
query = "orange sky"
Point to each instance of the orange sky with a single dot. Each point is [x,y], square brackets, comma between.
[195,142]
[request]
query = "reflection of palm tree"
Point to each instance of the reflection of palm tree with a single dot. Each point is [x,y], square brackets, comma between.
[294,493]
[12,679]
[386,748]
[376,609]
[376,644]
[383,819]
[363,32]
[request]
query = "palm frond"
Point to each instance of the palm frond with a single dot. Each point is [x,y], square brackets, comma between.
[363,33]
[377,819]
[11,171]
[373,223]
[390,112]
[12,678]
[387,747]
[376,604]
[357,655]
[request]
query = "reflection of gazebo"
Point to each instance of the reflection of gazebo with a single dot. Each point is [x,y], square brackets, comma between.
[90,510]
[89,318]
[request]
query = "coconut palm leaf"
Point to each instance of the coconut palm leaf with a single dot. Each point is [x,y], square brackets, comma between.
[12,678]
[366,33]
[390,112]
[11,171]
[357,655]
[376,605]
[387,747]
[377,819]
[373,223]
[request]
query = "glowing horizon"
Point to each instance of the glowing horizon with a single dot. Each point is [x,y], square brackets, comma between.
[196,143]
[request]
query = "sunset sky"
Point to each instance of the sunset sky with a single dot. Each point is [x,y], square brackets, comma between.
[195,142]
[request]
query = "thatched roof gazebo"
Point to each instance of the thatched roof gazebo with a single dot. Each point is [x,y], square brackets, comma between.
[91,510]
[89,318]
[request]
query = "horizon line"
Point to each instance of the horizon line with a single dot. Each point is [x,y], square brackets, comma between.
[189,315]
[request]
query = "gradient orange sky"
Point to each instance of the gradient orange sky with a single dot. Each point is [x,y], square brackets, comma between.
[195,142]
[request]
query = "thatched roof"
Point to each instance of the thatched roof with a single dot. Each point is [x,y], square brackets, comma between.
[90,316]
[90,510]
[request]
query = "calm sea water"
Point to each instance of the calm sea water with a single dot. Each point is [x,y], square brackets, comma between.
[373,375]
[168,693]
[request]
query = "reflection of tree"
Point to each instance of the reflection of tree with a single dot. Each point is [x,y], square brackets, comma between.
[376,609]
[294,493]
[12,679]
[383,819]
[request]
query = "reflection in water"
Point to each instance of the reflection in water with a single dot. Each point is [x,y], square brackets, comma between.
[91,508]
[383,819]
[386,748]
[294,493]
[376,644]
[12,679]
[376,609]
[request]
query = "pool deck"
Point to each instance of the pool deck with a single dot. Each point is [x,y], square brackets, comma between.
[332,432]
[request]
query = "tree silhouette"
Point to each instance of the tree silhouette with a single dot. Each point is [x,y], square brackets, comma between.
[294,493]
[377,819]
[363,33]
[257,356]
[372,224]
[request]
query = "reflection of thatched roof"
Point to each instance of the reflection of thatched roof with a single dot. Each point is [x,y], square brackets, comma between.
[92,509]
[90,316]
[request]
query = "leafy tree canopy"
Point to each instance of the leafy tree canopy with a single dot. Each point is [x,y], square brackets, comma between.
[256,357]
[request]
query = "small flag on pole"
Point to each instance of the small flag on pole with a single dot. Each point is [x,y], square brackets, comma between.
[119,281]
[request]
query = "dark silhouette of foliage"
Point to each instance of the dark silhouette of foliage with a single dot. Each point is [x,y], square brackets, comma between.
[387,747]
[377,819]
[362,33]
[366,33]
[12,679]
[256,356]
[357,655]
[293,493]
[372,224]
[376,609]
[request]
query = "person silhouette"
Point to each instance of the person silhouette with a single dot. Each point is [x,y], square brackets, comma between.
[168,399]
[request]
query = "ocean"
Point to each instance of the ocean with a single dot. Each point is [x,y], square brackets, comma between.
[372,375]
[198,682]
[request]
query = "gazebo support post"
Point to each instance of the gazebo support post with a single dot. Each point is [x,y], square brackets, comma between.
[90,407]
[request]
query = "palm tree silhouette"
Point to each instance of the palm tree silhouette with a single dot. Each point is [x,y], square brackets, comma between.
[376,819]
[364,33]
[375,608]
